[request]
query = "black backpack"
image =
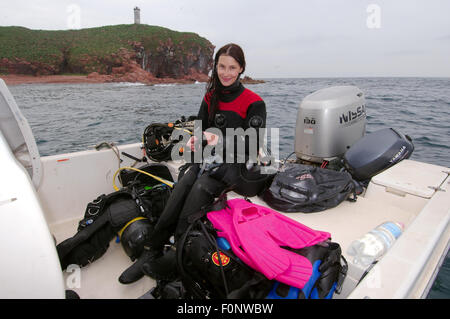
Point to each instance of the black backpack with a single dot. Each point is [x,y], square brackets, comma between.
[308,189]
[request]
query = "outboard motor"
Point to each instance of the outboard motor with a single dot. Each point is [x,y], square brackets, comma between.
[376,152]
[329,122]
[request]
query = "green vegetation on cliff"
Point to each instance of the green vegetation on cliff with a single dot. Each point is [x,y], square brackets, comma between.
[100,49]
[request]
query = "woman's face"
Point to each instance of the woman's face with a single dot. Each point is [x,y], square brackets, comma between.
[228,70]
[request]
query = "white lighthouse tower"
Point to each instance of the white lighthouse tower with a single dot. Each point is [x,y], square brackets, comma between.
[137,15]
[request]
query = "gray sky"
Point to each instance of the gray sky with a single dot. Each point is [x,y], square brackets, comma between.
[284,38]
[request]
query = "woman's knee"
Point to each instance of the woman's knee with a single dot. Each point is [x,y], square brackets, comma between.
[208,185]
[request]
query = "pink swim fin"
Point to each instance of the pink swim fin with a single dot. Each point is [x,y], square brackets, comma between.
[256,235]
[222,221]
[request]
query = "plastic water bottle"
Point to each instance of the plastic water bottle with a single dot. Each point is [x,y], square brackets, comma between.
[375,243]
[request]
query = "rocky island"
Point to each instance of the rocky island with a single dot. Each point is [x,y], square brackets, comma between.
[120,53]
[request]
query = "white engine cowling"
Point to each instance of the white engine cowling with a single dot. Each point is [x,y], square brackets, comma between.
[329,121]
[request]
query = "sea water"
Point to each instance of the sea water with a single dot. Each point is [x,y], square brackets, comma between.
[73,117]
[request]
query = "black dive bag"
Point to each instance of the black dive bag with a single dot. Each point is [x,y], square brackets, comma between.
[308,189]
[136,205]
[329,271]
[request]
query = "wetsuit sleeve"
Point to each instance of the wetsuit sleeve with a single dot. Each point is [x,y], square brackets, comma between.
[256,118]
[256,115]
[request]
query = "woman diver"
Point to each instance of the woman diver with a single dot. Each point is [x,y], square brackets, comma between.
[226,104]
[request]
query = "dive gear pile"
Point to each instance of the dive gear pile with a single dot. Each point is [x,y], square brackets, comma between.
[259,237]
[205,262]
[208,271]
[129,213]
[209,266]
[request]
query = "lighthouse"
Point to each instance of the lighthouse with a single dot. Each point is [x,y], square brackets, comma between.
[137,15]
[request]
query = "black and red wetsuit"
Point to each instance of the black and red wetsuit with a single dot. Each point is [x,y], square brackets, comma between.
[238,106]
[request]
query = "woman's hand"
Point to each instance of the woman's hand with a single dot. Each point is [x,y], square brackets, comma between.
[190,143]
[211,139]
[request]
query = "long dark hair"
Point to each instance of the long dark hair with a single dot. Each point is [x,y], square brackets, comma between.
[214,85]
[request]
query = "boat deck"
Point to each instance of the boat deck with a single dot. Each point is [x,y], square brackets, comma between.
[381,202]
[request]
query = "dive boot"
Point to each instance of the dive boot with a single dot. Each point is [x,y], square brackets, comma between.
[134,272]
[163,267]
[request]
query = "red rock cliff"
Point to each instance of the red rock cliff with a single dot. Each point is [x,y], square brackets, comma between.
[135,53]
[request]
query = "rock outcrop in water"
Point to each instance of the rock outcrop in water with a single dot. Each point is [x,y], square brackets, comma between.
[248,80]
[122,53]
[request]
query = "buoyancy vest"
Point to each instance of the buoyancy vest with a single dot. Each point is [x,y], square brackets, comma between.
[105,217]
